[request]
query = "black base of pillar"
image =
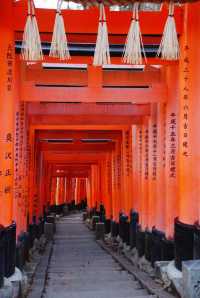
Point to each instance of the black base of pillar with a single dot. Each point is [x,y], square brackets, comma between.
[184,242]
[156,253]
[124,228]
[148,245]
[2,256]
[167,252]
[140,243]
[157,247]
[114,229]
[107,226]
[10,250]
[197,243]
[127,233]
[133,228]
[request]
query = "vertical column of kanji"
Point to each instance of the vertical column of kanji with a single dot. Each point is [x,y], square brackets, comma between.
[25,167]
[16,209]
[42,183]
[152,192]
[161,196]
[22,160]
[135,168]
[189,151]
[138,158]
[127,170]
[47,185]
[118,159]
[7,103]
[114,185]
[32,198]
[171,176]
[145,175]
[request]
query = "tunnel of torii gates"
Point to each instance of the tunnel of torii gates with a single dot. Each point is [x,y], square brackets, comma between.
[127,139]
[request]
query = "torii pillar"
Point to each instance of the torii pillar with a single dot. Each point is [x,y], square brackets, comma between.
[7,61]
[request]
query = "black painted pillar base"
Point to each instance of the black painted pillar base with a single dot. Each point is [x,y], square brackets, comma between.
[184,243]
[114,229]
[2,256]
[148,245]
[134,219]
[196,250]
[156,252]
[107,226]
[10,250]
[140,243]
[167,252]
[124,228]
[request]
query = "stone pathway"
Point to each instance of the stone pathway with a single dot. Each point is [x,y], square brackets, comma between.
[80,268]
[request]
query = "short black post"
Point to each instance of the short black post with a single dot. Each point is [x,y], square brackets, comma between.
[197,242]
[114,229]
[10,250]
[107,226]
[184,242]
[148,245]
[2,255]
[140,242]
[134,219]
[156,252]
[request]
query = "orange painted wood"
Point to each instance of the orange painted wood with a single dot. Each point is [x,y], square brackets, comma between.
[189,155]
[32,93]
[145,177]
[152,177]
[7,104]
[118,22]
[161,164]
[171,170]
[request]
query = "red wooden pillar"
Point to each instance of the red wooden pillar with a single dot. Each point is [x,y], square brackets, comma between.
[145,177]
[189,149]
[127,171]
[161,183]
[171,169]
[7,103]
[152,158]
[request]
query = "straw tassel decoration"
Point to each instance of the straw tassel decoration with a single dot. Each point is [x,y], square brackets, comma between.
[59,45]
[134,45]
[169,46]
[31,44]
[102,51]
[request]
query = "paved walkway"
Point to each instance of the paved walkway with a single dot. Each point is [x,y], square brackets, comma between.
[80,268]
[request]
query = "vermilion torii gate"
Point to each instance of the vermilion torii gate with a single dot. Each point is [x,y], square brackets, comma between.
[133,131]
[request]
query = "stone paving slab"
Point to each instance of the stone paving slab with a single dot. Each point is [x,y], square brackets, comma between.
[80,268]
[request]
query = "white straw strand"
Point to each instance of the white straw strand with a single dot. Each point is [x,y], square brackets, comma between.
[59,45]
[102,51]
[31,44]
[169,46]
[134,45]
[38,55]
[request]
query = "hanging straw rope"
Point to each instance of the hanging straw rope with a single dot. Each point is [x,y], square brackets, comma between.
[134,46]
[31,44]
[102,52]
[169,46]
[59,46]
